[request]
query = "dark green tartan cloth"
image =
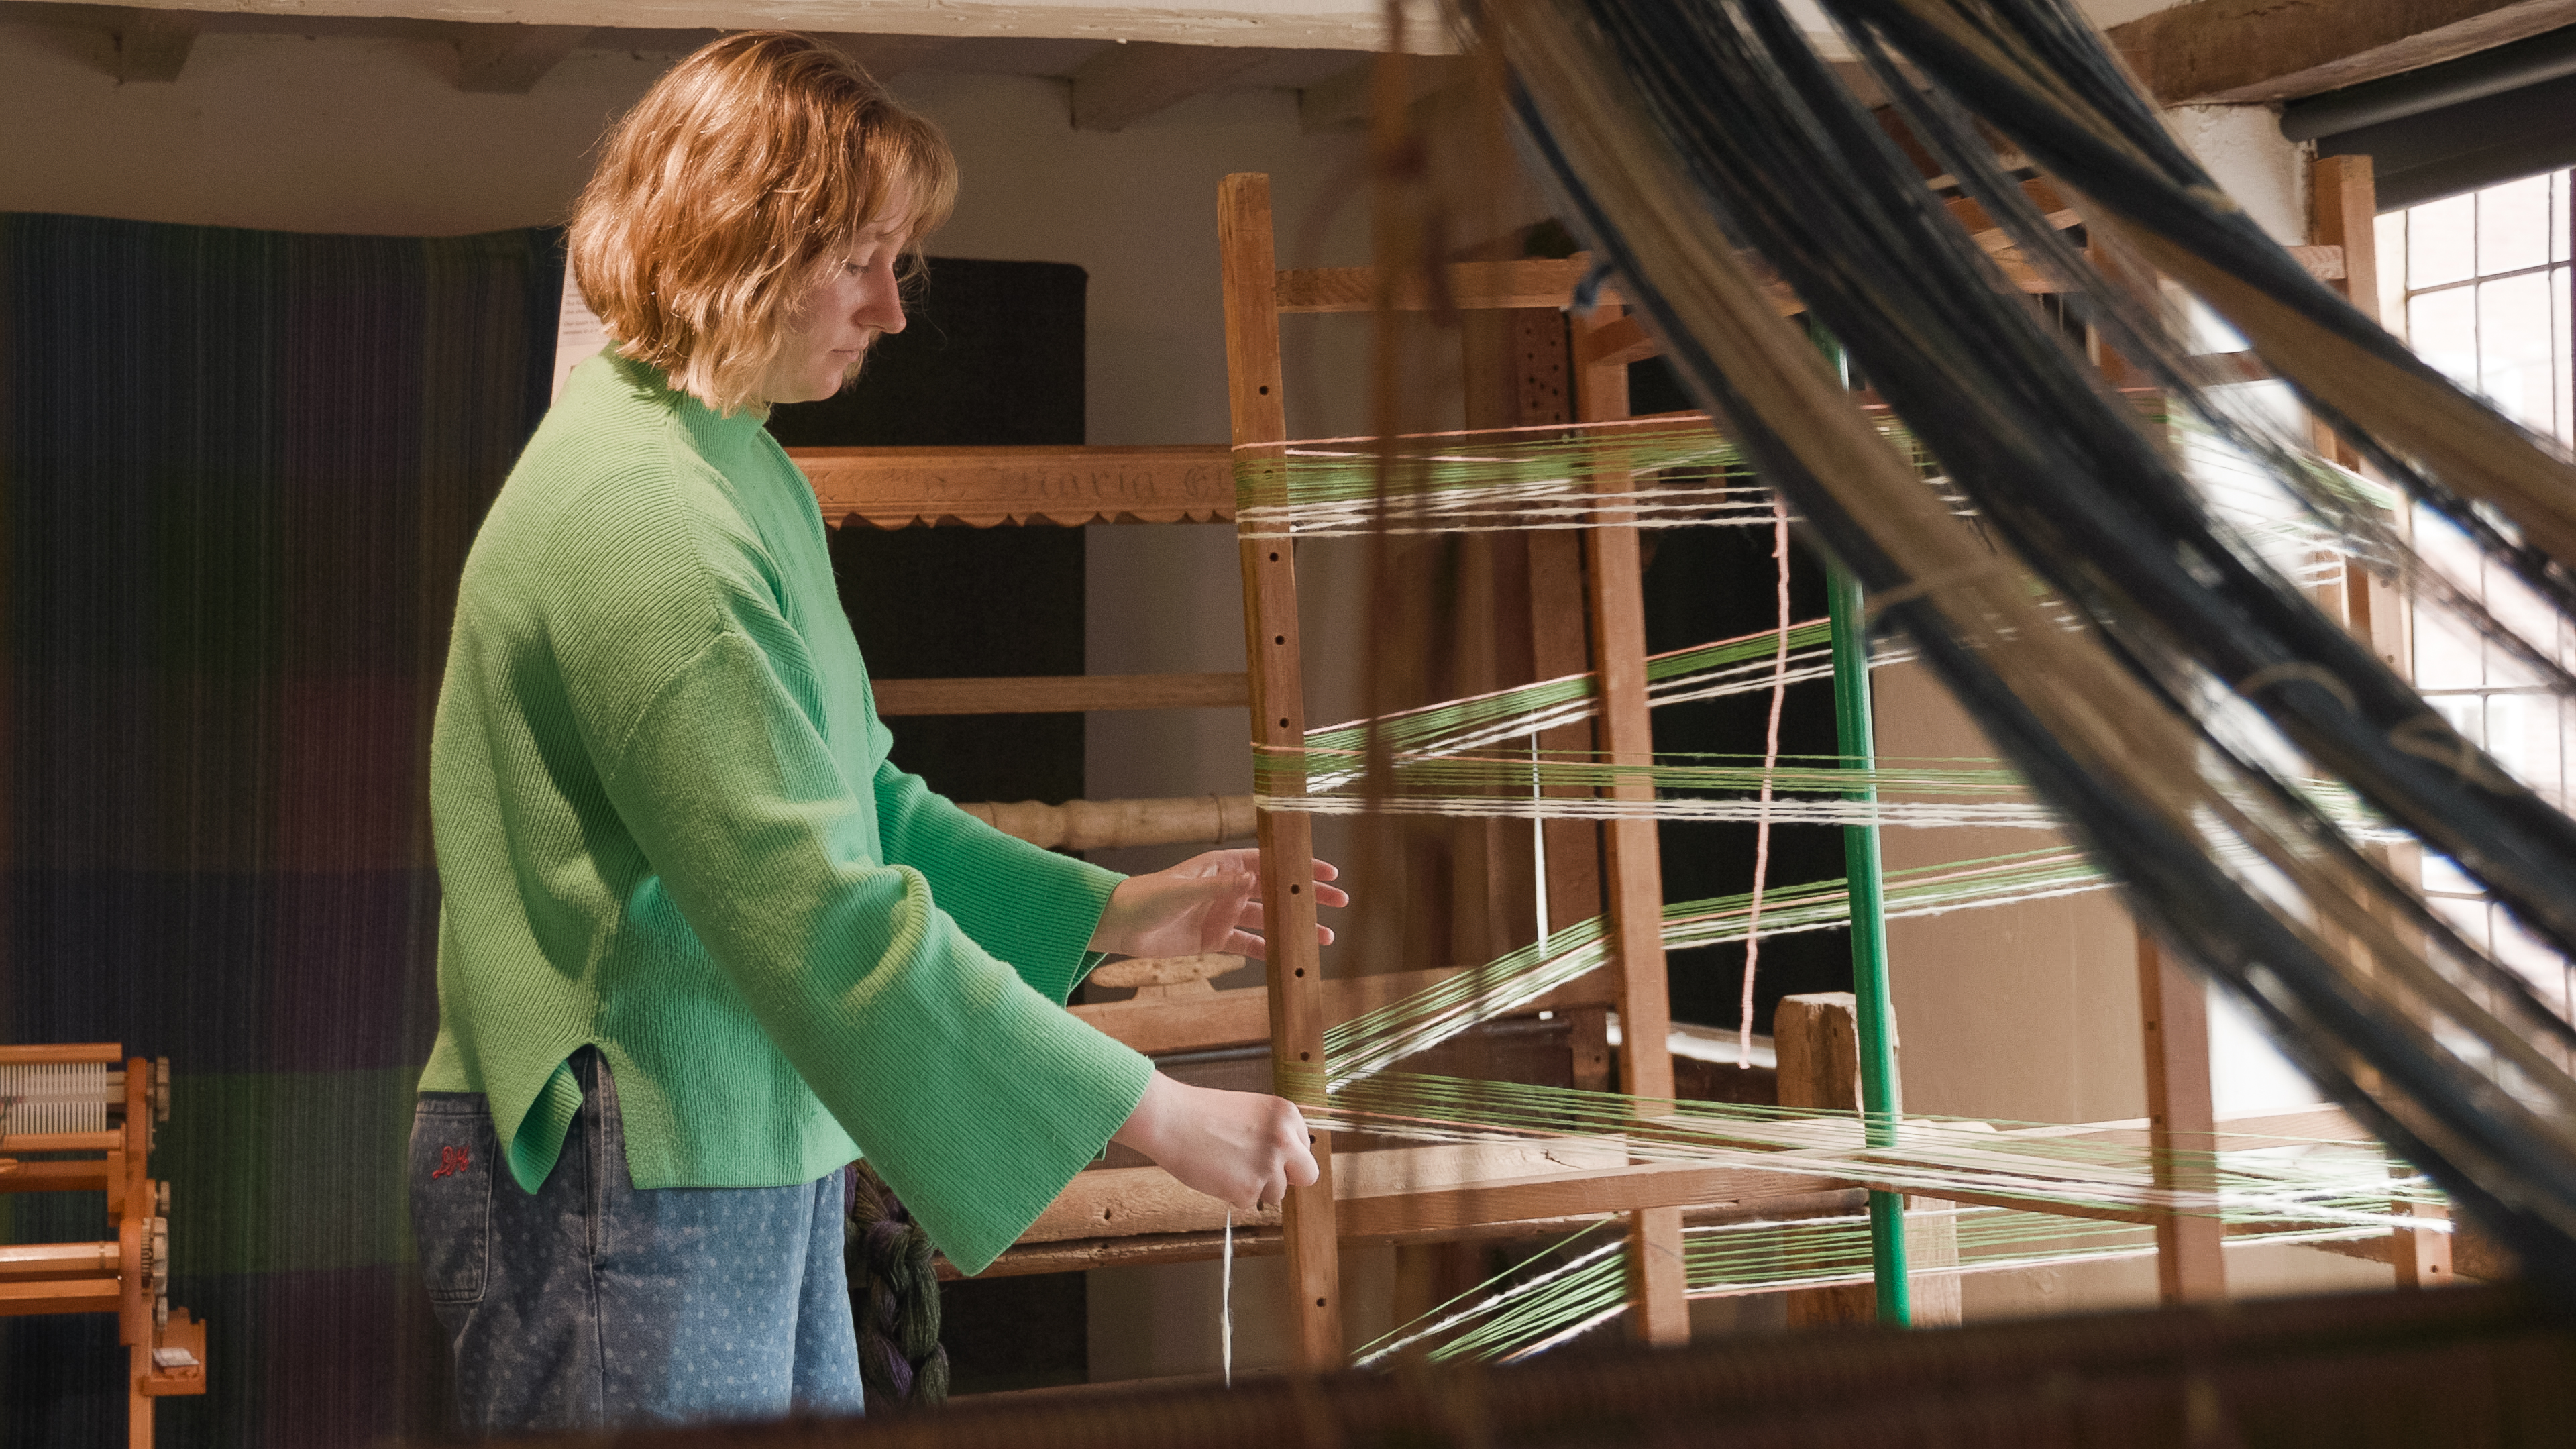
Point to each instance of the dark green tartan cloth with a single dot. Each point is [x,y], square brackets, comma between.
[238,474]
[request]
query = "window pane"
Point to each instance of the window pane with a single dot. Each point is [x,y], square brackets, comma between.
[2443,329]
[2441,875]
[2391,229]
[2522,733]
[2525,613]
[2446,651]
[2558,187]
[2522,953]
[2515,337]
[2513,225]
[2441,238]
[2467,714]
[2566,321]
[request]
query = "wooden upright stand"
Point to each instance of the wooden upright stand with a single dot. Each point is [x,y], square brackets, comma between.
[2181,1124]
[1287,838]
[1632,861]
[2343,212]
[1632,891]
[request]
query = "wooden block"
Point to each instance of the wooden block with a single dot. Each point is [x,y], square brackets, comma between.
[1059,694]
[1816,1040]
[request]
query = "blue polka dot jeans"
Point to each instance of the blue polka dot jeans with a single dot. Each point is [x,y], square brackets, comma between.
[595,1304]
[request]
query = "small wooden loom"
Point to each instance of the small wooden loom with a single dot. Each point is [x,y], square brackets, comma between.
[92,1100]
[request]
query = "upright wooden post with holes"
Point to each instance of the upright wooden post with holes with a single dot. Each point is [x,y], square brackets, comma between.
[1279,723]
[1632,865]
[2181,1124]
[2343,200]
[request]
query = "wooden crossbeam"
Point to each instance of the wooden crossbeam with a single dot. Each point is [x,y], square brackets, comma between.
[981,487]
[1466,286]
[2271,50]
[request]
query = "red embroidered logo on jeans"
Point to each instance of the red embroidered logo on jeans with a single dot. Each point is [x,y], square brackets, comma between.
[451,1160]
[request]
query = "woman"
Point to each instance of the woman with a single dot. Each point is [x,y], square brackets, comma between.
[702,944]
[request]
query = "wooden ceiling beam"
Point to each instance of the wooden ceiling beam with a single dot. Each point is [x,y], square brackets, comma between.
[2271,50]
[1280,24]
[152,45]
[1126,83]
[509,60]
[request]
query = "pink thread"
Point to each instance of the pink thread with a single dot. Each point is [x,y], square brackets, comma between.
[1770,763]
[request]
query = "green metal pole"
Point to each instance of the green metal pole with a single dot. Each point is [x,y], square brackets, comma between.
[1878,1087]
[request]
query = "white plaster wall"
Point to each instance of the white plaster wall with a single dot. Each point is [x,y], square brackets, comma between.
[2245,154]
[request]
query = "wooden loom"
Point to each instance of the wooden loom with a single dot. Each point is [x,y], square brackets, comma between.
[1138,1214]
[130,1275]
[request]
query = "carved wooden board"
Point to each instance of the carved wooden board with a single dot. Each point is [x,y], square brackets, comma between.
[981,487]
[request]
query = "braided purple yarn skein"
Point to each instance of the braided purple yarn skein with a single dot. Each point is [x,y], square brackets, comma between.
[894,1296]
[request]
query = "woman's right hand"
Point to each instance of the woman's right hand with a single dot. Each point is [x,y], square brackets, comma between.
[1242,1148]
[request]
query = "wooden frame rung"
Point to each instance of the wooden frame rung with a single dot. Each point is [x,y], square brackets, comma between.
[106,1053]
[1217,1020]
[1470,286]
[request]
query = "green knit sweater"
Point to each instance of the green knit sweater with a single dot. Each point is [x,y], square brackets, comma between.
[667,826]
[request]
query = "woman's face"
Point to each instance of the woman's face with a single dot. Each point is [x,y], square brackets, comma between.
[855,301]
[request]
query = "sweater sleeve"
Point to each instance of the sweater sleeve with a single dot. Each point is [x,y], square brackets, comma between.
[975,1095]
[1031,907]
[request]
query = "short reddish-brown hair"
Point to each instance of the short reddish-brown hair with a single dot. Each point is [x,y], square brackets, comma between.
[720,194]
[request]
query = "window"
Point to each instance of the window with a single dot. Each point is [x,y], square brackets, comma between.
[2477,284]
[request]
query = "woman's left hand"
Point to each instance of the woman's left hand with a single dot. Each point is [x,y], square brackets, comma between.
[1209,902]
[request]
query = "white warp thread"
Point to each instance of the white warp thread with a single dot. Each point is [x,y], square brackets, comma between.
[1225,1306]
[2007,814]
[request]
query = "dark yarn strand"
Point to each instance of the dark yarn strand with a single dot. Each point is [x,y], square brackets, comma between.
[894,1297]
[1779,155]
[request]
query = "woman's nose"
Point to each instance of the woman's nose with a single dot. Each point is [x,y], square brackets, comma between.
[883,309]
